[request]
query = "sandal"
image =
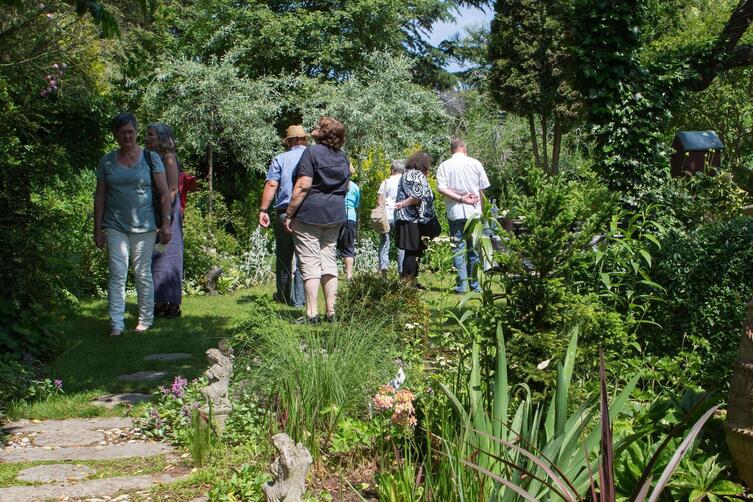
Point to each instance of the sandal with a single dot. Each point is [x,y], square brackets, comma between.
[141,328]
[116,332]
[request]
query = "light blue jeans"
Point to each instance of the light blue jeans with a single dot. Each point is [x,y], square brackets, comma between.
[465,268]
[384,251]
[138,248]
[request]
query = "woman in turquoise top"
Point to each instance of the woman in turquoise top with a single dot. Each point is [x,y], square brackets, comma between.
[124,220]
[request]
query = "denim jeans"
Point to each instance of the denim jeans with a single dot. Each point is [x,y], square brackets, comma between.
[138,248]
[465,268]
[289,283]
[384,251]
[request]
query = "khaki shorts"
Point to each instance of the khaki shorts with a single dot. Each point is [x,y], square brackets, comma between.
[316,247]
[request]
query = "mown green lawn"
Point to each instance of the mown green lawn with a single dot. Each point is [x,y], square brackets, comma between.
[90,361]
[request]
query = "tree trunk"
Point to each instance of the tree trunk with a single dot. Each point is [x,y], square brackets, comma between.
[534,141]
[556,144]
[544,131]
[210,174]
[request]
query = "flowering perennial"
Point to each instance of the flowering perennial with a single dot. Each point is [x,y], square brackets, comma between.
[400,402]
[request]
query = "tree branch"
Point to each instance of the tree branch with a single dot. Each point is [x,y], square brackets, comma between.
[736,26]
[726,54]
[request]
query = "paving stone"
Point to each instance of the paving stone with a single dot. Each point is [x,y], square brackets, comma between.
[92,424]
[72,437]
[172,356]
[112,400]
[125,450]
[51,473]
[85,489]
[143,376]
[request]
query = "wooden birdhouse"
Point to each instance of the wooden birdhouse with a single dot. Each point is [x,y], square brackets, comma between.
[695,151]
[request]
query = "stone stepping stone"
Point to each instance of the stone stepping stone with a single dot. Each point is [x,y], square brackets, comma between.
[91,424]
[107,452]
[172,356]
[113,400]
[52,473]
[73,437]
[85,489]
[143,376]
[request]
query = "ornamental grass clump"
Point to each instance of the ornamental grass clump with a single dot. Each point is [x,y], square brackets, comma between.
[312,377]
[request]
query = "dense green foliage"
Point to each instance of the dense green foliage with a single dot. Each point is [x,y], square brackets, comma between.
[572,113]
[529,58]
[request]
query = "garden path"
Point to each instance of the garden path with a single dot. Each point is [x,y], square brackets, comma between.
[69,459]
[76,445]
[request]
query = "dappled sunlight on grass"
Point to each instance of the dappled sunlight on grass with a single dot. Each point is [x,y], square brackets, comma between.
[90,360]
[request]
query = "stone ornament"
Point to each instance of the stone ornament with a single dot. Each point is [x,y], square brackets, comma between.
[218,375]
[210,279]
[739,424]
[288,471]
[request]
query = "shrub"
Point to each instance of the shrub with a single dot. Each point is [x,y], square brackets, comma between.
[708,276]
[399,304]
[207,243]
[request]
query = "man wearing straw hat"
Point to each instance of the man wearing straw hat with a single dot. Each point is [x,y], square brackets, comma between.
[279,186]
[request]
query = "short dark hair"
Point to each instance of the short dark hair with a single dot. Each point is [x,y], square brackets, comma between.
[331,133]
[122,119]
[456,144]
[420,161]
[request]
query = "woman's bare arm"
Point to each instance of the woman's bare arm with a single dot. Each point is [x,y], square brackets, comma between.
[99,212]
[171,171]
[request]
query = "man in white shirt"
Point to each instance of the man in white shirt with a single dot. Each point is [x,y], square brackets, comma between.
[386,196]
[462,180]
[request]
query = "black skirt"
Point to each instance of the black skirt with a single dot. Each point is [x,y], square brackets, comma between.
[408,236]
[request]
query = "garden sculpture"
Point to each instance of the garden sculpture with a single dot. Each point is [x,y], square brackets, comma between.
[288,471]
[739,425]
[216,391]
[210,280]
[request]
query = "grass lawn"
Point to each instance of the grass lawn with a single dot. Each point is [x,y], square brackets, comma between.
[90,361]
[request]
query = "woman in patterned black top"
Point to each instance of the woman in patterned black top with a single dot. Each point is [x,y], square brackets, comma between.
[414,205]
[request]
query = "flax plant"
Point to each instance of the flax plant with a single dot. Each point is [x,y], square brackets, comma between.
[538,453]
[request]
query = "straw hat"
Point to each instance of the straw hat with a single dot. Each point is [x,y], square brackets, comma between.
[296,131]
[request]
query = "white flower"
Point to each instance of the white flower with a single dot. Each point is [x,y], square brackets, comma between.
[543,364]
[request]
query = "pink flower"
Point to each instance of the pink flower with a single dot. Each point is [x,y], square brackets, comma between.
[58,384]
[386,389]
[404,396]
[382,402]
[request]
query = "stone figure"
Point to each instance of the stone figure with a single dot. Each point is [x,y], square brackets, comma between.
[226,349]
[288,470]
[210,280]
[218,375]
[739,425]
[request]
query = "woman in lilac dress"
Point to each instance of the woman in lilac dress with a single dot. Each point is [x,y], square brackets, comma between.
[167,262]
